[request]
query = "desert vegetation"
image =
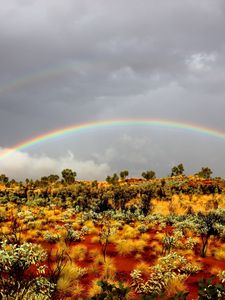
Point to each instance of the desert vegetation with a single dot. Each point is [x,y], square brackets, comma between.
[123,238]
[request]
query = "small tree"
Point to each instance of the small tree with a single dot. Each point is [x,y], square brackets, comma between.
[4,179]
[107,230]
[68,176]
[208,225]
[112,179]
[124,174]
[146,194]
[205,173]
[177,170]
[148,174]
[53,178]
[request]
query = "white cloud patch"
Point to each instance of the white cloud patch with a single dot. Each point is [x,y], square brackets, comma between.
[201,61]
[20,165]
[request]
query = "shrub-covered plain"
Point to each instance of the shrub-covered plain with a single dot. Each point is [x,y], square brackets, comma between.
[120,239]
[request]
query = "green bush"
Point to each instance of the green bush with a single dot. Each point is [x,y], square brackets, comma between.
[22,272]
[209,290]
[51,237]
[111,291]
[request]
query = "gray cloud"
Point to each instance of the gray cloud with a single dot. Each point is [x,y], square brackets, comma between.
[72,61]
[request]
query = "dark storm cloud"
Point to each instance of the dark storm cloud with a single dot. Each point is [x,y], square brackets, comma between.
[65,62]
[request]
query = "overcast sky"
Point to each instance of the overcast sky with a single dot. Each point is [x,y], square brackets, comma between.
[72,61]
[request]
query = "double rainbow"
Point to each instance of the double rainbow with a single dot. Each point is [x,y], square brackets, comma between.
[76,128]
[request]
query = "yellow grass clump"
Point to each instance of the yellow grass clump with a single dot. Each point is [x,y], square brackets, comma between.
[93,253]
[76,226]
[91,227]
[130,232]
[220,253]
[95,239]
[77,289]
[124,247]
[156,248]
[70,274]
[127,246]
[94,289]
[175,285]
[78,252]
[108,269]
[5,229]
[159,236]
[57,250]
[99,259]
[144,236]
[139,245]
[143,267]
[215,270]
[160,207]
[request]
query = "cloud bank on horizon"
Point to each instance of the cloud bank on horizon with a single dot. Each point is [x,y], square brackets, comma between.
[22,165]
[73,61]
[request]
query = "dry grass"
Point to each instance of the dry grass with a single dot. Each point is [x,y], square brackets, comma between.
[93,253]
[5,229]
[215,270]
[108,269]
[130,232]
[98,259]
[69,276]
[76,226]
[56,250]
[124,247]
[139,246]
[94,288]
[180,203]
[91,227]
[127,246]
[95,239]
[175,285]
[78,289]
[144,237]
[156,248]
[78,252]
[143,267]
[220,253]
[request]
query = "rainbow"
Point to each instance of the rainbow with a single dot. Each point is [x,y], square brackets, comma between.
[43,75]
[60,132]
